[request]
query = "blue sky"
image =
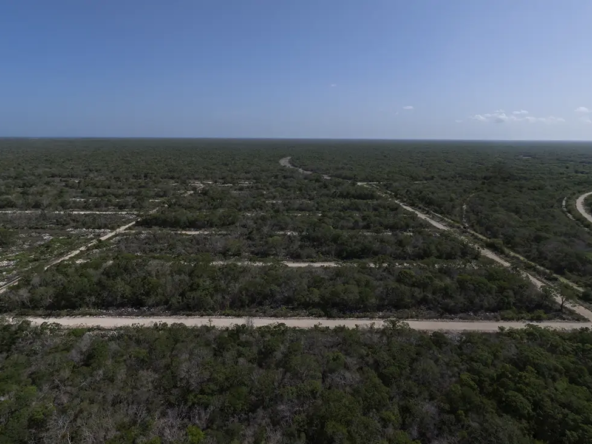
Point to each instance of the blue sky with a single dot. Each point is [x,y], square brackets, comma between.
[456,69]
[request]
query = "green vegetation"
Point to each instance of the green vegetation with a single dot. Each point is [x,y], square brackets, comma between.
[512,191]
[253,209]
[6,238]
[142,283]
[274,384]
[222,228]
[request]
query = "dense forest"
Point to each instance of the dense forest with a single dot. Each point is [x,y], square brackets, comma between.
[278,385]
[129,281]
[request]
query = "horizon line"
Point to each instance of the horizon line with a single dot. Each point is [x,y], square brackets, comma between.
[288,138]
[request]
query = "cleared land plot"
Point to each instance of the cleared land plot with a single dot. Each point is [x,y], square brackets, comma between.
[36,248]
[236,233]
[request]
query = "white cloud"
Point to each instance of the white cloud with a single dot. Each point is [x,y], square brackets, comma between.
[333,85]
[408,107]
[500,116]
[551,119]
[587,120]
[458,121]
[582,110]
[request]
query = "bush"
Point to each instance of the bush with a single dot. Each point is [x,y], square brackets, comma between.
[6,238]
[586,295]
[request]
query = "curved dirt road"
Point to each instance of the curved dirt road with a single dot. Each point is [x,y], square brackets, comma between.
[581,208]
[564,208]
[286,162]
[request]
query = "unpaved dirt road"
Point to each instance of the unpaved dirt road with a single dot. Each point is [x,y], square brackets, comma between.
[484,251]
[223,322]
[426,325]
[118,213]
[286,162]
[289,264]
[418,213]
[73,253]
[87,246]
[564,208]
[294,264]
[80,250]
[495,257]
[581,208]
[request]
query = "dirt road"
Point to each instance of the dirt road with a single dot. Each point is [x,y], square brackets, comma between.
[85,247]
[289,264]
[74,252]
[495,257]
[89,245]
[119,213]
[418,213]
[581,208]
[564,208]
[484,251]
[222,322]
[286,162]
[426,325]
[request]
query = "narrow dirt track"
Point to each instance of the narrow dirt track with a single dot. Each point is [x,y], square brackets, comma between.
[425,325]
[91,244]
[564,208]
[73,253]
[289,264]
[489,254]
[119,213]
[286,162]
[79,250]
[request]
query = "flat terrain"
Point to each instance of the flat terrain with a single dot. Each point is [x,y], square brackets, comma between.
[183,291]
[248,228]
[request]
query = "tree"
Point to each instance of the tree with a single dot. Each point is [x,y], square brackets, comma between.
[566,295]
[195,435]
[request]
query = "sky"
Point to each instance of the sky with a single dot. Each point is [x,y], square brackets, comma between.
[386,69]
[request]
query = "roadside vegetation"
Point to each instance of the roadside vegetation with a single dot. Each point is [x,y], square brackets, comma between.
[277,385]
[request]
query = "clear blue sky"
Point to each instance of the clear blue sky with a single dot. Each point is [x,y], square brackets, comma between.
[475,69]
